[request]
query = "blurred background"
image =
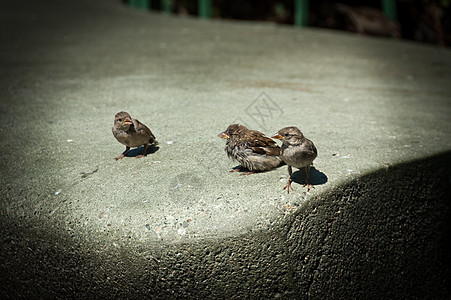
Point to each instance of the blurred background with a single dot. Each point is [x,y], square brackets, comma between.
[426,21]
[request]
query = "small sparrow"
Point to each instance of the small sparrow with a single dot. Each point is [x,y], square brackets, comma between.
[132,133]
[251,148]
[296,151]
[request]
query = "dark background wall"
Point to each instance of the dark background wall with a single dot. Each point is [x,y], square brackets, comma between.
[418,20]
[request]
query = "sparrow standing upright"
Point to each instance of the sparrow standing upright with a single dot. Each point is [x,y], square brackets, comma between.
[296,151]
[132,133]
[251,148]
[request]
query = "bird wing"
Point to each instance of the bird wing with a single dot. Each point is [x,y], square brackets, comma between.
[308,150]
[311,148]
[261,144]
[143,130]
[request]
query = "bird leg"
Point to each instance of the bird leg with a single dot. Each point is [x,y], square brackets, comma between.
[144,153]
[247,173]
[242,169]
[288,185]
[307,179]
[239,168]
[123,153]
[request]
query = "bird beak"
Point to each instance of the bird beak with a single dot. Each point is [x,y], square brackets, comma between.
[127,121]
[224,135]
[277,136]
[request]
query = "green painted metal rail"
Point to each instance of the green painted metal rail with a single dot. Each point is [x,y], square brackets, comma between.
[301,9]
[389,7]
[140,4]
[165,6]
[204,9]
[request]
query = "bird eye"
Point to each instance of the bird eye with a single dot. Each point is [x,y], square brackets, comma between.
[286,134]
[120,120]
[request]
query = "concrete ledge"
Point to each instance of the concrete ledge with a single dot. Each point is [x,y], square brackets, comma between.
[384,235]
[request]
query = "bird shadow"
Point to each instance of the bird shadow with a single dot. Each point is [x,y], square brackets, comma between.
[138,151]
[316,177]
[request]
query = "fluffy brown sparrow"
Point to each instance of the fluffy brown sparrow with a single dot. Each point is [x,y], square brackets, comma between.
[132,133]
[296,151]
[251,148]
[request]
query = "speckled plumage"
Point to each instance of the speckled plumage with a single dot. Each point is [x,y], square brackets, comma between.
[251,148]
[132,133]
[297,151]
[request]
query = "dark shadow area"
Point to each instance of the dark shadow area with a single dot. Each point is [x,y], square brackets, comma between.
[316,177]
[388,233]
[138,151]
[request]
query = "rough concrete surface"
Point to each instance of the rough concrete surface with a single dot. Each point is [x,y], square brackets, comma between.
[75,223]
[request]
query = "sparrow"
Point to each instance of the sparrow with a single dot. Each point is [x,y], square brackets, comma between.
[251,148]
[297,151]
[132,133]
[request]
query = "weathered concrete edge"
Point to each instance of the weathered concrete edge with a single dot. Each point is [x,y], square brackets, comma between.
[383,235]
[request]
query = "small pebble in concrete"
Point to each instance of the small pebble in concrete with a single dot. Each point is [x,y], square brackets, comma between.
[290,207]
[177,186]
[169,218]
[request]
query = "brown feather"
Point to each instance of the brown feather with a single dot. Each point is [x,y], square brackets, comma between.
[252,148]
[132,133]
